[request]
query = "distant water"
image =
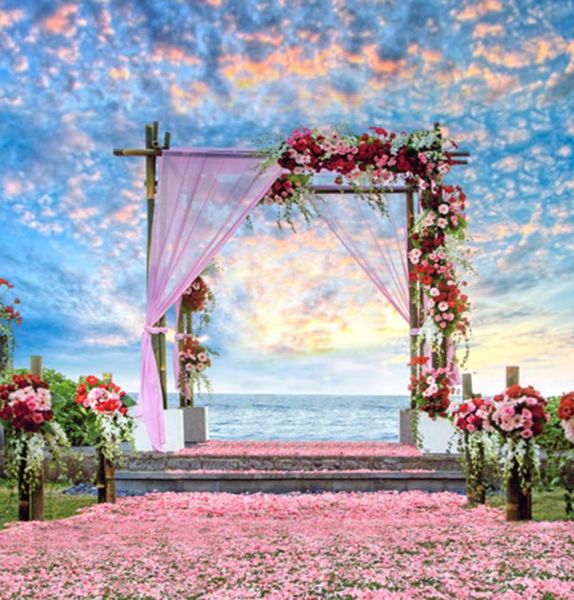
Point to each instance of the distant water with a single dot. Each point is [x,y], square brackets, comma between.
[269,417]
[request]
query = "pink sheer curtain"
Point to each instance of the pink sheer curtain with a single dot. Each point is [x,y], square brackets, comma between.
[377,242]
[203,197]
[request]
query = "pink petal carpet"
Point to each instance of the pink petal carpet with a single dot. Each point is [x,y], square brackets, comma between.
[382,545]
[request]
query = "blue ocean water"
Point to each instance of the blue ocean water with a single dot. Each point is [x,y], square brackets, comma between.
[269,417]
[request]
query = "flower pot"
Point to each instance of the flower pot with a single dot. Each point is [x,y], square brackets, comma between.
[195,424]
[437,435]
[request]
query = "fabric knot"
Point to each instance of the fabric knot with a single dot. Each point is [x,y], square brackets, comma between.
[156,330]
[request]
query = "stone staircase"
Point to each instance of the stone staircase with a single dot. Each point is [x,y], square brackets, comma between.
[147,472]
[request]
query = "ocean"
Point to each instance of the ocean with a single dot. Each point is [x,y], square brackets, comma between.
[268,417]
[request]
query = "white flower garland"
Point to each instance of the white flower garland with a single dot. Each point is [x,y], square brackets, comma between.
[526,455]
[113,430]
[32,448]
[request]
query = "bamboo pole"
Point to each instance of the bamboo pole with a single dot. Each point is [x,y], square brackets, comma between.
[152,150]
[414,317]
[518,503]
[467,386]
[158,339]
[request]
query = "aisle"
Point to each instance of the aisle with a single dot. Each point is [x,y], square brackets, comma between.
[381,545]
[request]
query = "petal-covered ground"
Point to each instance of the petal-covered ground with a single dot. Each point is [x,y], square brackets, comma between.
[253,448]
[381,545]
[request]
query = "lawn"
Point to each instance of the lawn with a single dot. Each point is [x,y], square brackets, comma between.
[57,505]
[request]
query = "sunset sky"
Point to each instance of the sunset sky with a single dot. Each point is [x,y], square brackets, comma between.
[294,314]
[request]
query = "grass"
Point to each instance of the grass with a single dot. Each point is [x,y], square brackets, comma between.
[547,505]
[57,504]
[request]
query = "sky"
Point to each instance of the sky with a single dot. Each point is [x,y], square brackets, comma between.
[294,313]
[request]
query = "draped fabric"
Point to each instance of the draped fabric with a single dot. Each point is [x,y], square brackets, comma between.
[203,198]
[377,242]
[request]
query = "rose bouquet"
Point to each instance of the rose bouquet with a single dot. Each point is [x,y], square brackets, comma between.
[432,391]
[519,416]
[472,419]
[566,415]
[26,413]
[108,404]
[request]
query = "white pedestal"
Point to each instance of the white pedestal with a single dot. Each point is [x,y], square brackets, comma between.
[437,435]
[173,426]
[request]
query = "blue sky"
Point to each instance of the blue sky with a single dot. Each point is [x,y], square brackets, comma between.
[79,78]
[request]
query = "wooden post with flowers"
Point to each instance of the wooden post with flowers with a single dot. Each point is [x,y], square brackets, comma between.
[518,501]
[37,492]
[106,477]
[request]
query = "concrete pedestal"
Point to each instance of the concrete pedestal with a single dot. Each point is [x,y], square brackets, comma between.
[437,436]
[195,424]
[173,425]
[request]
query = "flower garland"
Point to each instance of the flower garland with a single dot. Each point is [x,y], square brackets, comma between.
[26,413]
[519,416]
[566,415]
[199,298]
[432,388]
[194,359]
[109,405]
[373,161]
[478,447]
[8,315]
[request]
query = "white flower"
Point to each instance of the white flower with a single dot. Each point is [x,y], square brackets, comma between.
[442,223]
[202,356]
[200,367]
[434,292]
[430,380]
[443,209]
[442,306]
[428,220]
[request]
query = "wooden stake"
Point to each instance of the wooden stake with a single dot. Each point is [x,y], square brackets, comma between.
[37,493]
[518,503]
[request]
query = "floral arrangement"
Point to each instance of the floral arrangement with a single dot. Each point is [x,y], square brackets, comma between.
[432,388]
[369,163]
[8,315]
[473,415]
[194,359]
[198,296]
[478,448]
[566,415]
[26,413]
[109,405]
[519,416]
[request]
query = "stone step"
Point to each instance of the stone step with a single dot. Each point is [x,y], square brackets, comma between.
[281,482]
[170,462]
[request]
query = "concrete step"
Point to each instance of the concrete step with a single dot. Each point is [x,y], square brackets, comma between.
[150,461]
[281,482]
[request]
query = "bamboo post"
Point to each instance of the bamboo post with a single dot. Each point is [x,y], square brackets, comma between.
[518,503]
[37,493]
[152,150]
[414,320]
[467,386]
[185,326]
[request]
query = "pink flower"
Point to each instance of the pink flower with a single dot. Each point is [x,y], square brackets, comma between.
[526,434]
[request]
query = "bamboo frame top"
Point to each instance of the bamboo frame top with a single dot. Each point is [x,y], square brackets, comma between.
[229,153]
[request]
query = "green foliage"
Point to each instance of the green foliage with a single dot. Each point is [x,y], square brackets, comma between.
[554,443]
[77,421]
